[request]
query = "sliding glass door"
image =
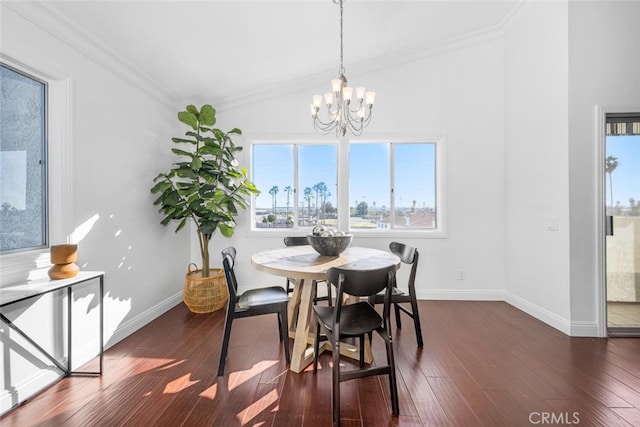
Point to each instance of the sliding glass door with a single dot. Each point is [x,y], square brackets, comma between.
[622,176]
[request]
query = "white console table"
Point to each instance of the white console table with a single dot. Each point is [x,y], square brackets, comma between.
[35,288]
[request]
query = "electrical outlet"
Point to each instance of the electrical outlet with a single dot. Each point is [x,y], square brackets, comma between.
[552,223]
[462,275]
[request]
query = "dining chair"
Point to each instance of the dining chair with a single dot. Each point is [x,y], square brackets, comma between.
[301,241]
[408,255]
[254,302]
[357,320]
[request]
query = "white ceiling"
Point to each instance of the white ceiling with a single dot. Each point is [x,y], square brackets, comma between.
[233,49]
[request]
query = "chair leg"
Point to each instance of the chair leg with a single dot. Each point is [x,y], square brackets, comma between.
[393,387]
[362,351]
[329,299]
[398,320]
[416,320]
[284,332]
[225,341]
[335,343]
[316,348]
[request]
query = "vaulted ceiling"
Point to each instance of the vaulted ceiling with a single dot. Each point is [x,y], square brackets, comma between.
[235,49]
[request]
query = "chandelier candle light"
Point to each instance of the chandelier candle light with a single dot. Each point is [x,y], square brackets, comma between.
[342,115]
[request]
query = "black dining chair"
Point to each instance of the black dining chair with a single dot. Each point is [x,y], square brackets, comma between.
[253,302]
[357,320]
[301,241]
[408,255]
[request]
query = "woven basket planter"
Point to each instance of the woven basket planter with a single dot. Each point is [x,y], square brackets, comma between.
[205,294]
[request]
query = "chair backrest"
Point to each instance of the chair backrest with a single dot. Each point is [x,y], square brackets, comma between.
[408,255]
[228,262]
[295,241]
[361,283]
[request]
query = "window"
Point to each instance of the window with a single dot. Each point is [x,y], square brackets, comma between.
[23,175]
[280,203]
[391,186]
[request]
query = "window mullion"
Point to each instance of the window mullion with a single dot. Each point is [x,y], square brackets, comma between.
[343,184]
[392,185]
[296,186]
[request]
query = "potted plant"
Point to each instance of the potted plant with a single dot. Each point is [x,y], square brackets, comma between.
[207,187]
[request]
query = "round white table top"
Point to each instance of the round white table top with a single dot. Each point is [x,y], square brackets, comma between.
[303,262]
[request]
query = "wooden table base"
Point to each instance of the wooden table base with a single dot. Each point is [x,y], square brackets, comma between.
[304,336]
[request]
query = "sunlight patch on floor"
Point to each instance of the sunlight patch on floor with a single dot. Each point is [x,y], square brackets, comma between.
[258,407]
[179,384]
[210,393]
[238,378]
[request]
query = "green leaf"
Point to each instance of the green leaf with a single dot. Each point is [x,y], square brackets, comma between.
[208,227]
[161,186]
[218,134]
[236,131]
[179,140]
[195,135]
[192,109]
[226,229]
[181,225]
[207,115]
[180,152]
[188,119]
[196,163]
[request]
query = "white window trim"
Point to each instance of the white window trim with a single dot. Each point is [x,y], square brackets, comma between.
[19,267]
[439,232]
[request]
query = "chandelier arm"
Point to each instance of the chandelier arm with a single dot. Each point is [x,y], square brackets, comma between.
[321,130]
[326,127]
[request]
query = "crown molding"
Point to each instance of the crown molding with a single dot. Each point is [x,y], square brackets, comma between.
[379,63]
[80,39]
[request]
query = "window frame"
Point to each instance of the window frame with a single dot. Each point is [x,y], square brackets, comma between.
[44,147]
[22,265]
[440,231]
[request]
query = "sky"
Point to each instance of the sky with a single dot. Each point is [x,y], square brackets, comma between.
[626,177]
[370,171]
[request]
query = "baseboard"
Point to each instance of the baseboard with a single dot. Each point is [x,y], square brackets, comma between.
[584,329]
[43,379]
[142,319]
[542,314]
[460,294]
[17,394]
[574,329]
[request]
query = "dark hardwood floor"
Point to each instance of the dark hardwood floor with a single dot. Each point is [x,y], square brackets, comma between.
[483,364]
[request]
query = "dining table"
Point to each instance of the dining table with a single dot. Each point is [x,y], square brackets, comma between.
[308,267]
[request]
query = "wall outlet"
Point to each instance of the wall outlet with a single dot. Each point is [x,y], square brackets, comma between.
[462,275]
[552,223]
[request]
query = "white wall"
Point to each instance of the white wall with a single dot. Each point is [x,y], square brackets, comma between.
[119,138]
[456,94]
[536,179]
[604,69]
[501,103]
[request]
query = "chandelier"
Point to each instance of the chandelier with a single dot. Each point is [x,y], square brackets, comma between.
[341,114]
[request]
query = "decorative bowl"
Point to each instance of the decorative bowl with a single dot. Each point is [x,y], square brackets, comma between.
[329,245]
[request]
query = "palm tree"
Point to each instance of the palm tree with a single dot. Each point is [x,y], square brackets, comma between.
[322,190]
[316,189]
[307,196]
[288,190]
[610,164]
[274,190]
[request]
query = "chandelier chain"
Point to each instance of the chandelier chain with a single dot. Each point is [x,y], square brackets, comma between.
[342,70]
[344,112]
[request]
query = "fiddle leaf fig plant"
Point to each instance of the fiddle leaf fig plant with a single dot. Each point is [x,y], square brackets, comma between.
[206,185]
